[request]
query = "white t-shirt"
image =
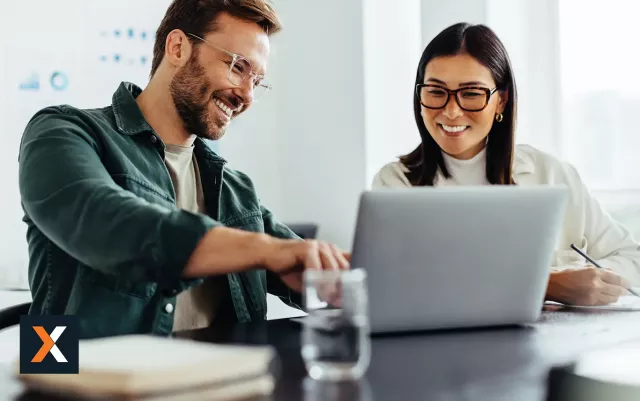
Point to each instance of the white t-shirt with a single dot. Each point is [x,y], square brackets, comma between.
[195,307]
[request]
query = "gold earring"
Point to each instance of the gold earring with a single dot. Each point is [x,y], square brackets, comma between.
[499,117]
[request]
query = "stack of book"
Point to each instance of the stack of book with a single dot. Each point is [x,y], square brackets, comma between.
[151,367]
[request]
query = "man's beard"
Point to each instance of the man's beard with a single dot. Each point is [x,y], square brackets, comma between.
[189,89]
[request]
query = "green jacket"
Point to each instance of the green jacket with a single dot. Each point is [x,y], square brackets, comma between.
[107,242]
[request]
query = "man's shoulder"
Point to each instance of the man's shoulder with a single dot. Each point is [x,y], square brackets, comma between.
[239,178]
[66,116]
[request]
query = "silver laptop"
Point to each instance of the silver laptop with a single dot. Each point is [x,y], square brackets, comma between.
[439,258]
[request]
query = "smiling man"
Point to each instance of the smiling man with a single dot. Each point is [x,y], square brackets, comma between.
[134,224]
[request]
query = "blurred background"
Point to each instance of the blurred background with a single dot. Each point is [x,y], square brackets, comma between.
[343,73]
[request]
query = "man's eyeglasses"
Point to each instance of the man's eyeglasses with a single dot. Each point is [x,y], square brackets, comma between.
[240,69]
[468,98]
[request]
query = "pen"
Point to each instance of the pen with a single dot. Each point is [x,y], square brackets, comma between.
[593,262]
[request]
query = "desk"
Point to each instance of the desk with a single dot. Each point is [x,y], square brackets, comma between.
[493,364]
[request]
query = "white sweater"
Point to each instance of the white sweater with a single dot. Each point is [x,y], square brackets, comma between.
[586,224]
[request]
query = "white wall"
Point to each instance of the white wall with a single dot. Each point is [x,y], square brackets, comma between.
[392,49]
[438,14]
[529,31]
[318,76]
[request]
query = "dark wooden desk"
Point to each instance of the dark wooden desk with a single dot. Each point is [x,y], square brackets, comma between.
[497,364]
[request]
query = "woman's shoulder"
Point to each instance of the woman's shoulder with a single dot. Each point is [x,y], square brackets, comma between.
[530,154]
[547,167]
[391,175]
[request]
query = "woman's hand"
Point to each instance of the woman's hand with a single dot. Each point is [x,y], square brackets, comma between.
[588,286]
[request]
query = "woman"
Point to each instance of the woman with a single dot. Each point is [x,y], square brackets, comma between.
[465,109]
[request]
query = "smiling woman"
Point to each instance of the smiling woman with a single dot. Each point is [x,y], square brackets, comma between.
[470,64]
[465,111]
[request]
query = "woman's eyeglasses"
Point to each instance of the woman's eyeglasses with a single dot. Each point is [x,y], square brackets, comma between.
[468,98]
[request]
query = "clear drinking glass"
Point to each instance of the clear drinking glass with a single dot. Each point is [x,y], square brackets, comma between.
[336,344]
[322,390]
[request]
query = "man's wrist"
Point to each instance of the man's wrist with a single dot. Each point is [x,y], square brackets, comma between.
[264,247]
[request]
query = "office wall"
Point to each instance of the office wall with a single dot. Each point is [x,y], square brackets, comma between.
[437,15]
[321,113]
[392,49]
[529,31]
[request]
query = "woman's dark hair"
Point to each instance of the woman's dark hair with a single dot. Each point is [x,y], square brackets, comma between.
[481,43]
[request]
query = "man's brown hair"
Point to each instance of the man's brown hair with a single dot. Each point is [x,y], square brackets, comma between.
[198,16]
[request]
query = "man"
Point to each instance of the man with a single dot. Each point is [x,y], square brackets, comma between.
[134,224]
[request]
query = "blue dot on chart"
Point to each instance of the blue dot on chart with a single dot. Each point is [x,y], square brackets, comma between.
[116,58]
[143,35]
[131,33]
[143,60]
[103,58]
[116,33]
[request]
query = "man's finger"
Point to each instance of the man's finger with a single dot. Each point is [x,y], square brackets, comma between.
[329,261]
[343,262]
[312,259]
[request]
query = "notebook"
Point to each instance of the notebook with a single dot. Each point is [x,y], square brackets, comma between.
[141,365]
[625,303]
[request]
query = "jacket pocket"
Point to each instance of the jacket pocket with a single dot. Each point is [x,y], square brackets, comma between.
[106,306]
[144,189]
[248,221]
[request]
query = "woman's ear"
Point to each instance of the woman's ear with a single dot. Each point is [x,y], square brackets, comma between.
[503,98]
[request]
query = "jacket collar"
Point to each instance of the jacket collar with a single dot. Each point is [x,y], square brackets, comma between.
[204,152]
[129,117]
[131,121]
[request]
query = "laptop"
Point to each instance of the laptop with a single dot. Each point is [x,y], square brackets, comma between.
[457,257]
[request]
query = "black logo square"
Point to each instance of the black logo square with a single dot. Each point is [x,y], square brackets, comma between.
[49,344]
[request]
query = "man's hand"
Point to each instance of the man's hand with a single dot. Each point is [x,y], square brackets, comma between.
[226,250]
[289,259]
[587,286]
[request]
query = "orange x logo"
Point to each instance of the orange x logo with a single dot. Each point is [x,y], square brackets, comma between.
[49,344]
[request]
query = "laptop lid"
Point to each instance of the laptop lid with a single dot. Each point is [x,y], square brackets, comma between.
[457,256]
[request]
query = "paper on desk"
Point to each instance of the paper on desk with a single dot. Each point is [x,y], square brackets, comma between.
[625,303]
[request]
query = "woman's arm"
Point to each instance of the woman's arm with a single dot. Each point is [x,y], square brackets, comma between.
[609,242]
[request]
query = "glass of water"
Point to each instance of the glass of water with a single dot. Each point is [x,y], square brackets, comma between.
[335,342]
